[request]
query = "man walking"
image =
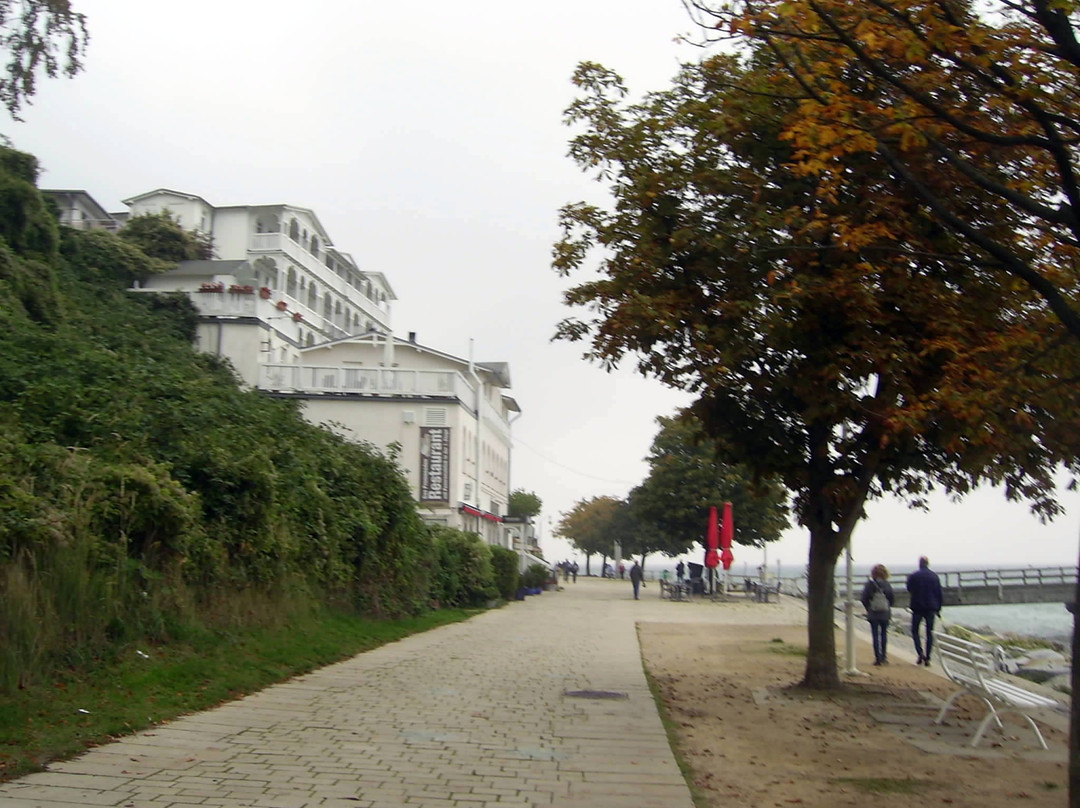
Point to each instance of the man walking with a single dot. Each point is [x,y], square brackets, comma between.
[635,578]
[925,588]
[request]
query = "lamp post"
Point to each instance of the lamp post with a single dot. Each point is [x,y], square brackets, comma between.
[849,616]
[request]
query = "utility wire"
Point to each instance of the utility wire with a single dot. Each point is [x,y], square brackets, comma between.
[519,441]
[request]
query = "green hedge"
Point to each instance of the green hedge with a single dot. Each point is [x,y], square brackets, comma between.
[463,574]
[504,562]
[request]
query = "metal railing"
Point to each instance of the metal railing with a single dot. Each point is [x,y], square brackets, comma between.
[956,582]
[280,242]
[370,381]
[1025,577]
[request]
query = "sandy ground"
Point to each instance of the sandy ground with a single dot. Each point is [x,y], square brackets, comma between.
[751,737]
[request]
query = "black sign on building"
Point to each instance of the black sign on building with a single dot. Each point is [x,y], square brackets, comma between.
[435,464]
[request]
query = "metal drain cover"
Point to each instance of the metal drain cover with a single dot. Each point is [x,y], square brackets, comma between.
[595,694]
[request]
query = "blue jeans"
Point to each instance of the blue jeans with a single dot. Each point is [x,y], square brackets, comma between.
[916,619]
[637,585]
[879,628]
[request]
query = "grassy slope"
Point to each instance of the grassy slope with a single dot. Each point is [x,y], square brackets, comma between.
[79,710]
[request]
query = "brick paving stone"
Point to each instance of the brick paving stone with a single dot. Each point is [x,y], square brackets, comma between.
[473,714]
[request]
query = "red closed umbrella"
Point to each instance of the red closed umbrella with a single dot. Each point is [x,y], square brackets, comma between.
[727,534]
[713,540]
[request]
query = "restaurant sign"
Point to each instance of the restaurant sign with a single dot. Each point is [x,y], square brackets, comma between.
[435,464]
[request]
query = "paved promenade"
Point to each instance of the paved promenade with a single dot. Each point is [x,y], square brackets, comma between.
[475,714]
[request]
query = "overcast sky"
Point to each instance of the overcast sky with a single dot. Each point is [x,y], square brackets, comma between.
[428,138]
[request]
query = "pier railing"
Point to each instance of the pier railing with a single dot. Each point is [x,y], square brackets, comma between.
[983,587]
[1040,576]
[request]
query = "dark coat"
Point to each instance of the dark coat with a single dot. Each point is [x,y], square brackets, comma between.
[925,588]
[635,573]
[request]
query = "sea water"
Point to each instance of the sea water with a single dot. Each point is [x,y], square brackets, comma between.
[1048,621]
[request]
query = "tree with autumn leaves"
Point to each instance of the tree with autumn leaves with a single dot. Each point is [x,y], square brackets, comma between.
[962,102]
[839,339]
[965,103]
[592,526]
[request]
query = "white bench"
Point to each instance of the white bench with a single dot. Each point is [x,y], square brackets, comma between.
[971,666]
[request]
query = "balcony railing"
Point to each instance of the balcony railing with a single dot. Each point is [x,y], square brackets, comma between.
[369,381]
[227,304]
[279,242]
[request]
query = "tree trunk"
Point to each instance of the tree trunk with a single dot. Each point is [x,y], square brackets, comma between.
[821,672]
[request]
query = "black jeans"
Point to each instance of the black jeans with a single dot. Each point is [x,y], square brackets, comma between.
[879,628]
[916,619]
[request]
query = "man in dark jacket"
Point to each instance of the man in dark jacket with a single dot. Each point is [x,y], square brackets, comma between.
[635,578]
[925,588]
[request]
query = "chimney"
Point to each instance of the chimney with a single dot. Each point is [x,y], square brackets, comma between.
[412,336]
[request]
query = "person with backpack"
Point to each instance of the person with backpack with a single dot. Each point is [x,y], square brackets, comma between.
[877,598]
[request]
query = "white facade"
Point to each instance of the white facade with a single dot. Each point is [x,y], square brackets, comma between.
[80,211]
[288,252]
[448,421]
[297,318]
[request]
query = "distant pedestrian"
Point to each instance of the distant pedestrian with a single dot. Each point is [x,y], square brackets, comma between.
[878,598]
[574,569]
[622,570]
[925,588]
[664,576]
[635,578]
[565,571]
[680,571]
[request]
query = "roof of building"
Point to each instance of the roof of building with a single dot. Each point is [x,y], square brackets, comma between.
[500,370]
[131,200]
[91,203]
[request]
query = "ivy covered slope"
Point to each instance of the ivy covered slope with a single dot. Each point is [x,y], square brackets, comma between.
[139,485]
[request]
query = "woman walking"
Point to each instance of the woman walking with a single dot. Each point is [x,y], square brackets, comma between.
[877,598]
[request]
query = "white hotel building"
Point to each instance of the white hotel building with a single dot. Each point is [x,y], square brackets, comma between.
[297,318]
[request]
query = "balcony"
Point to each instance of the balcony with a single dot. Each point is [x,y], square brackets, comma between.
[228,304]
[279,242]
[365,381]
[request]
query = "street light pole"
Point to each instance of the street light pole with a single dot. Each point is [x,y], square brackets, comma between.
[849,616]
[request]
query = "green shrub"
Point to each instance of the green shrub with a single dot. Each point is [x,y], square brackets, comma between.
[463,573]
[144,493]
[535,576]
[504,562]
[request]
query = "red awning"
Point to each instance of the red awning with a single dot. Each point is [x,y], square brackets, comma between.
[471,511]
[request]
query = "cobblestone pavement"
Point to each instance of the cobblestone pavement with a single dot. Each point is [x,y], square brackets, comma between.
[474,714]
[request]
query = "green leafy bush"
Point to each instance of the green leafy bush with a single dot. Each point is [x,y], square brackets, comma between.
[143,490]
[504,562]
[535,576]
[463,573]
